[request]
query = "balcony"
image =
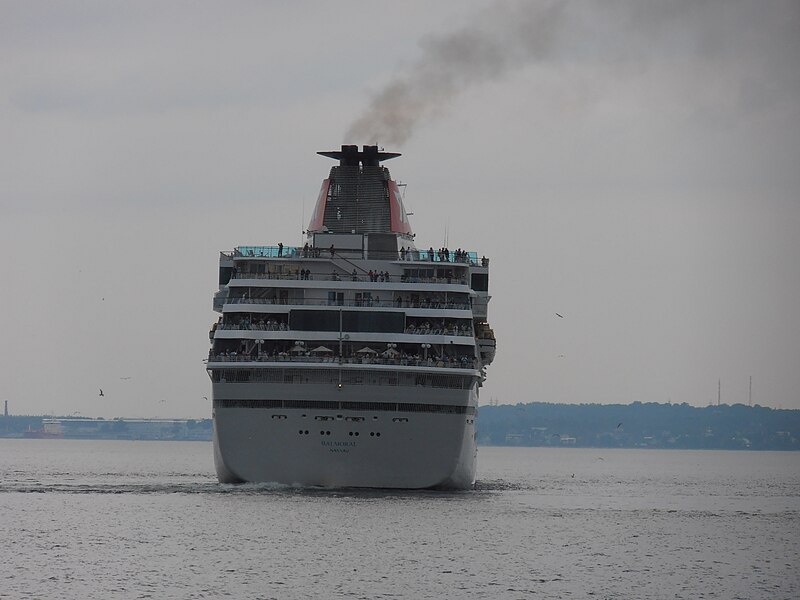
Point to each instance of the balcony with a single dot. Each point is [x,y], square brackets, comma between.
[342,277]
[397,303]
[297,252]
[464,362]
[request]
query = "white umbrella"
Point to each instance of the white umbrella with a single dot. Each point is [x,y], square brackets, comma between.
[320,349]
[297,348]
[391,352]
[366,350]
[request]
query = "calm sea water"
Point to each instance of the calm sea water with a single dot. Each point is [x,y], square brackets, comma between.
[108,519]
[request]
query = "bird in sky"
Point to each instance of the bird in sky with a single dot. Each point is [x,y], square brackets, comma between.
[101,392]
[205,397]
[619,425]
[558,315]
[125,378]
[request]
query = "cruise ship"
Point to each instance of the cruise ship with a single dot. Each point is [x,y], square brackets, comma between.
[356,359]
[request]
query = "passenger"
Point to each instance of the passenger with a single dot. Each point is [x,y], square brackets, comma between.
[332,250]
[355,275]
[280,249]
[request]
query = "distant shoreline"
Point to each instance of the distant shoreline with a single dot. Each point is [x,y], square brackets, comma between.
[600,426]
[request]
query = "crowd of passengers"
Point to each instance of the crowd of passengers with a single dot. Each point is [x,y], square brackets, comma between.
[307,275]
[438,328]
[384,358]
[255,324]
[431,302]
[399,302]
[374,276]
[309,251]
[441,255]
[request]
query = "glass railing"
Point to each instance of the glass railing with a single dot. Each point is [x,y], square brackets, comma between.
[293,252]
[268,251]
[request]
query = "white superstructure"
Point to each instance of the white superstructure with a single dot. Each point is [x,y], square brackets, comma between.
[356,359]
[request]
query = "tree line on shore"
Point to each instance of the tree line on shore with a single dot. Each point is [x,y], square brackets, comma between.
[640,425]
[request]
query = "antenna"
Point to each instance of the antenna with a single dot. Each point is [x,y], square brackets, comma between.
[719,391]
[303,219]
[750,393]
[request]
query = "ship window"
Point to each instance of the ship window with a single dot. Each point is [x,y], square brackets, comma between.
[225,274]
[414,274]
[314,320]
[374,322]
[353,321]
[480,282]
[335,298]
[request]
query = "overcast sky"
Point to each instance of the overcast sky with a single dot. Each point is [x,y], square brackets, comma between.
[633,166]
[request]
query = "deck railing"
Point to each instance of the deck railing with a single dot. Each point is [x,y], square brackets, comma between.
[345,277]
[295,252]
[464,362]
[444,305]
[284,327]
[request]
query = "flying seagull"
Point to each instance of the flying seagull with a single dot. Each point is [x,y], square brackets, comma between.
[101,392]
[205,397]
[619,424]
[558,315]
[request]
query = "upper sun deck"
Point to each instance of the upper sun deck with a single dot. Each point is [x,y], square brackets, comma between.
[459,257]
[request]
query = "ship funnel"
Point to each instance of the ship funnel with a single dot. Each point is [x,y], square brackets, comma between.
[350,156]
